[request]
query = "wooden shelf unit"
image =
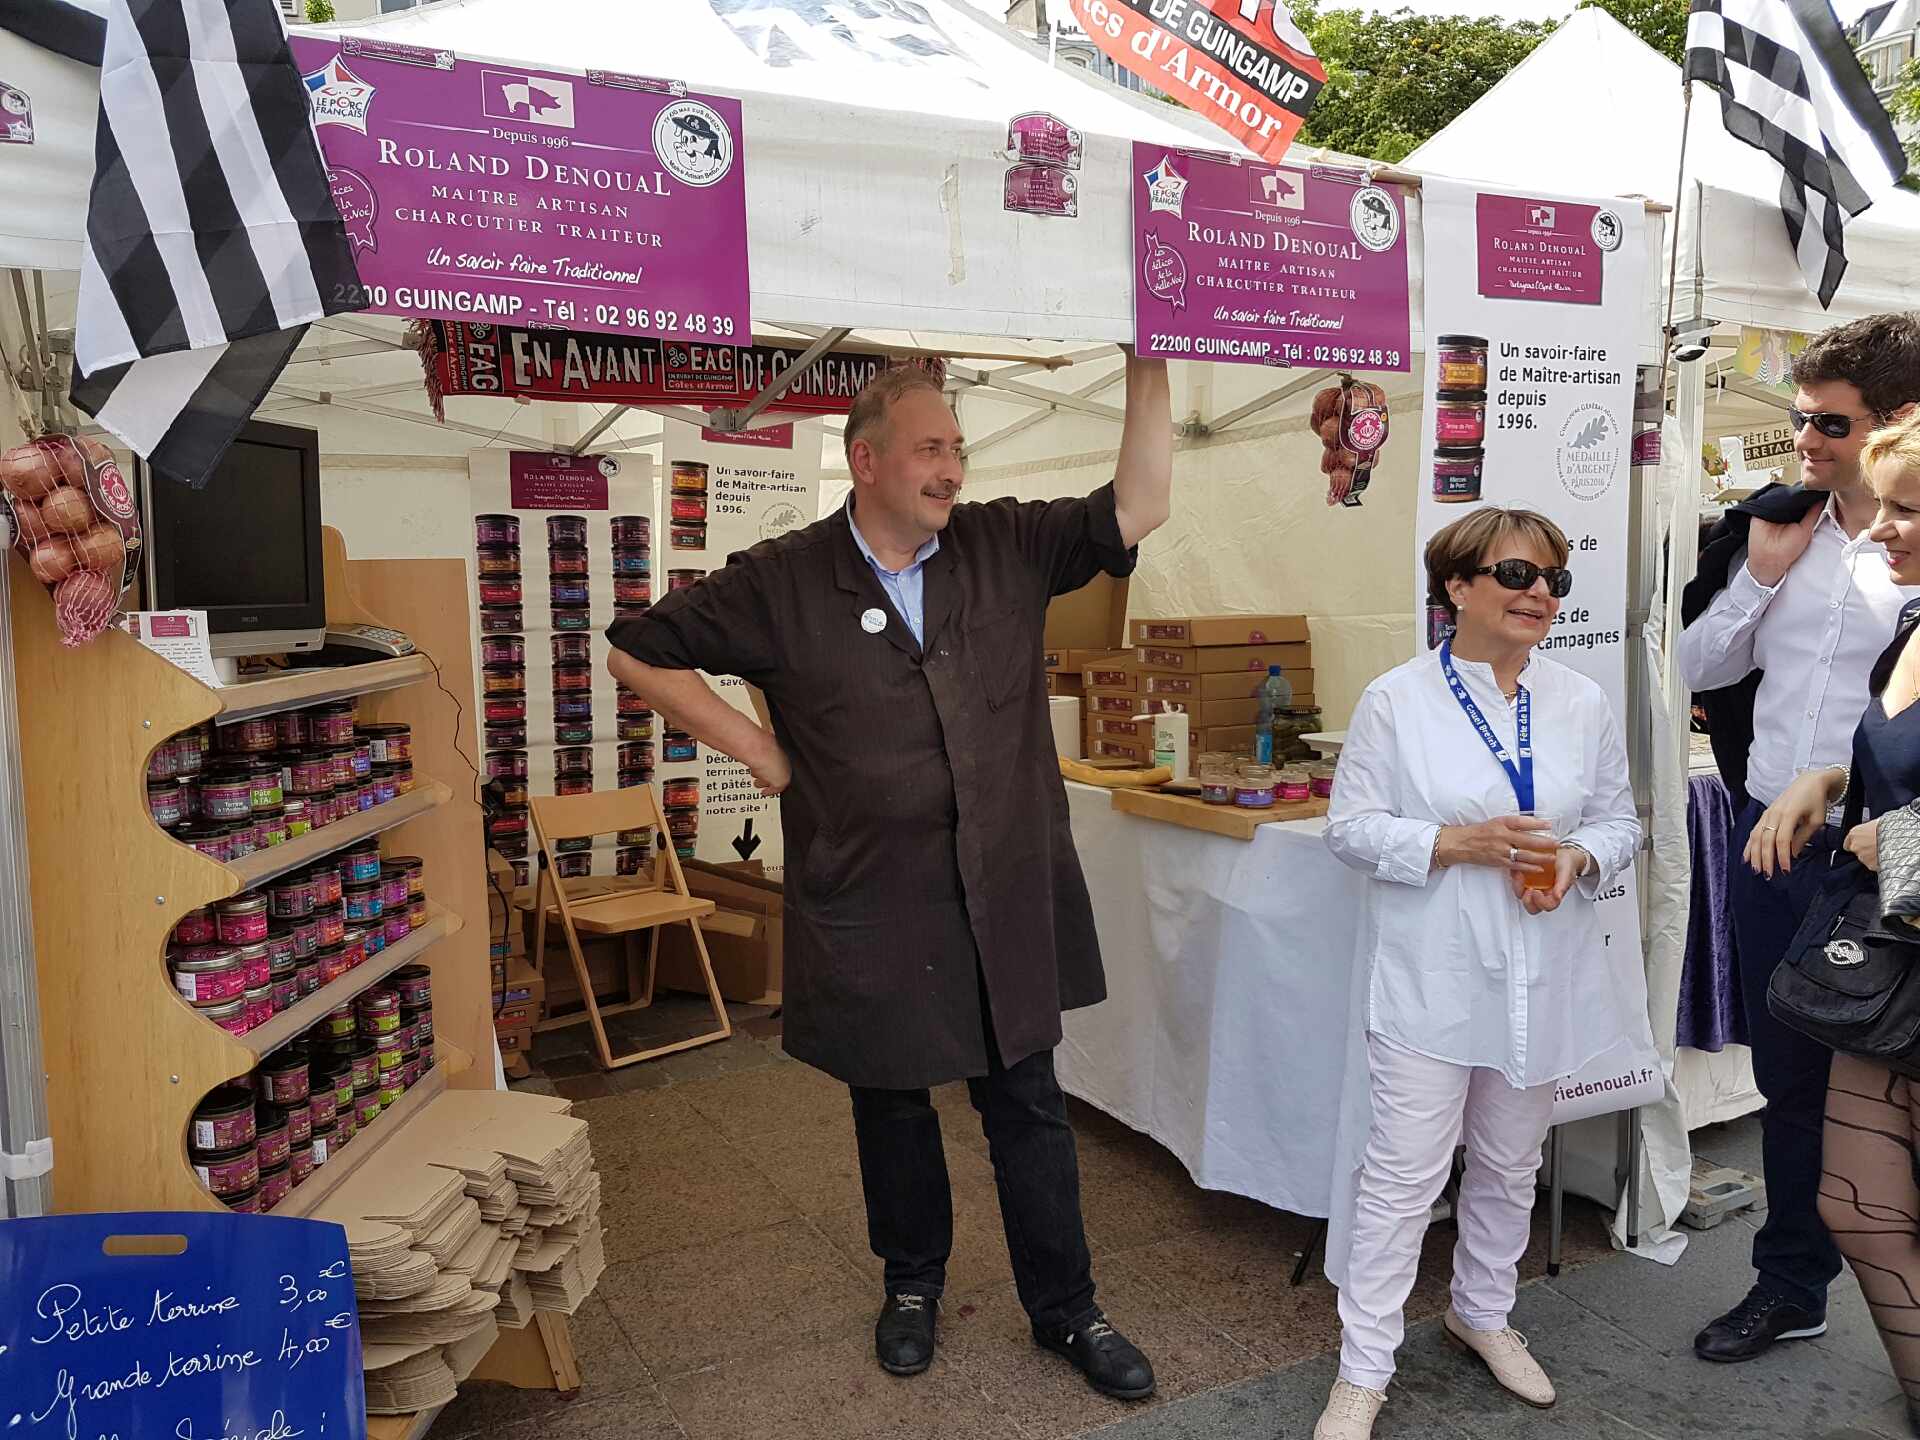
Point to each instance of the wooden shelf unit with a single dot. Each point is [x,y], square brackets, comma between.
[293,689]
[127,1063]
[312,1010]
[263,865]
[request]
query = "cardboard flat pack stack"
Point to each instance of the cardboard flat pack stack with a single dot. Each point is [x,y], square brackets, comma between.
[489,1212]
[1210,667]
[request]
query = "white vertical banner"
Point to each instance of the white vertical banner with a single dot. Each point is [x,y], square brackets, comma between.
[1532,303]
[561,549]
[721,494]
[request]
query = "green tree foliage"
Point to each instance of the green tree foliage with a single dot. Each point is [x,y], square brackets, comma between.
[319,12]
[1394,80]
[1904,106]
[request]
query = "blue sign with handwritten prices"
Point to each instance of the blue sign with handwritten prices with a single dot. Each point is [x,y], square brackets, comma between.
[178,1327]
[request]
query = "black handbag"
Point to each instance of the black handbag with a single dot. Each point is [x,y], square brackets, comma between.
[1847,980]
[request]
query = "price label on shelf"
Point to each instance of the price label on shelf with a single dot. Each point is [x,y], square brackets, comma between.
[184,1326]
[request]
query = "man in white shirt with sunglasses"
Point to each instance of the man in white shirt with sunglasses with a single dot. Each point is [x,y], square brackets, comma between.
[1809,605]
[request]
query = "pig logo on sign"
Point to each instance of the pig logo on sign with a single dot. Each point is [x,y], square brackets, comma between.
[527,99]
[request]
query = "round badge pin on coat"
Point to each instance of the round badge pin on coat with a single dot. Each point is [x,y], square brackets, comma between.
[873,621]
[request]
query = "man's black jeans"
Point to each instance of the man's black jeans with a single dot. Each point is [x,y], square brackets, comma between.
[903,1170]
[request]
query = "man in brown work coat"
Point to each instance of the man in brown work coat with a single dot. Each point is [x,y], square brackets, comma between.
[937,918]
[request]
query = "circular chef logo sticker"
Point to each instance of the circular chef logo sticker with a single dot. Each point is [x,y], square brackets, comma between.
[12,101]
[1607,230]
[779,519]
[609,466]
[1374,218]
[693,142]
[1590,453]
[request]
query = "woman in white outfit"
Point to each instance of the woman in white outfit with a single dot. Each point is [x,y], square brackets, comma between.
[1485,791]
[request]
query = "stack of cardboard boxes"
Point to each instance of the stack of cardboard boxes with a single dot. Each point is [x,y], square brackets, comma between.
[1210,667]
[518,989]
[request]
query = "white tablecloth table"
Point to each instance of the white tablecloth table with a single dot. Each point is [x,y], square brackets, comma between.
[1228,1015]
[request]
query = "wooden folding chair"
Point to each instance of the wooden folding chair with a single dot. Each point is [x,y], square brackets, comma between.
[593,907]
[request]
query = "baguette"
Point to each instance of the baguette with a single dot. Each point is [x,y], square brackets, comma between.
[1114,779]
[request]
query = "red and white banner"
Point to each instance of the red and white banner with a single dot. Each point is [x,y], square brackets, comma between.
[1243,64]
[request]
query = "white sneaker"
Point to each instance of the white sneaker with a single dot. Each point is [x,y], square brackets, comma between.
[1505,1352]
[1350,1412]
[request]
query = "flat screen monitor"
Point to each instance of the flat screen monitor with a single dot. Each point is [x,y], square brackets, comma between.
[246,547]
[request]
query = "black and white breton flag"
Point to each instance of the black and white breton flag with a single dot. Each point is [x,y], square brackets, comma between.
[212,236]
[1791,85]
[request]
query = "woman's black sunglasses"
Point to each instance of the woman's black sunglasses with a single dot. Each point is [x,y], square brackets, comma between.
[1830,424]
[1520,575]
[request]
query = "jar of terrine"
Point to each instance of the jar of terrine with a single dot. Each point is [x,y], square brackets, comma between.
[273,1140]
[276,1183]
[230,1015]
[228,1172]
[209,975]
[391,743]
[224,1121]
[167,803]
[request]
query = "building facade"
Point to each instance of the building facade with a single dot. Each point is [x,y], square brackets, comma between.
[1884,38]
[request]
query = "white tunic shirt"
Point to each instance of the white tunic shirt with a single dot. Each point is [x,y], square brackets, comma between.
[1815,635]
[1461,972]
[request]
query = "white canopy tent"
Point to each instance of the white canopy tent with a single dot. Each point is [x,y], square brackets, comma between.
[886,215]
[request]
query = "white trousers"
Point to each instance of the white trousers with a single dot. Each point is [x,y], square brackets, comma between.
[1421,1110]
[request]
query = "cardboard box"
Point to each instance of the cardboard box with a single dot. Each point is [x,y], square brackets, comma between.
[1227,685]
[1210,630]
[1073,659]
[1204,713]
[1138,752]
[1117,727]
[1094,617]
[1224,737]
[1068,685]
[1109,702]
[1119,676]
[745,936]
[1192,660]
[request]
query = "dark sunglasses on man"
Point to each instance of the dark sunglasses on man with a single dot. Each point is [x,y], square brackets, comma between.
[1829,423]
[1520,575]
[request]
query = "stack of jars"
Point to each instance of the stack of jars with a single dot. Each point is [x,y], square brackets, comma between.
[572,688]
[496,563]
[253,1142]
[567,573]
[257,954]
[680,799]
[635,734]
[503,668]
[687,502]
[632,566]
[232,790]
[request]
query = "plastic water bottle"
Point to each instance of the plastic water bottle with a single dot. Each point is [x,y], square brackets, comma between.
[1275,696]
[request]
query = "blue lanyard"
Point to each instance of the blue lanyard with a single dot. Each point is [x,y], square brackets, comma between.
[1521,773]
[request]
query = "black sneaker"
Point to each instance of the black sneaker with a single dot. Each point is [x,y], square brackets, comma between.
[903,1335]
[1753,1325]
[1112,1363]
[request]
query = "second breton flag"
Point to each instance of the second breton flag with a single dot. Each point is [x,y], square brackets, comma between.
[1791,85]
